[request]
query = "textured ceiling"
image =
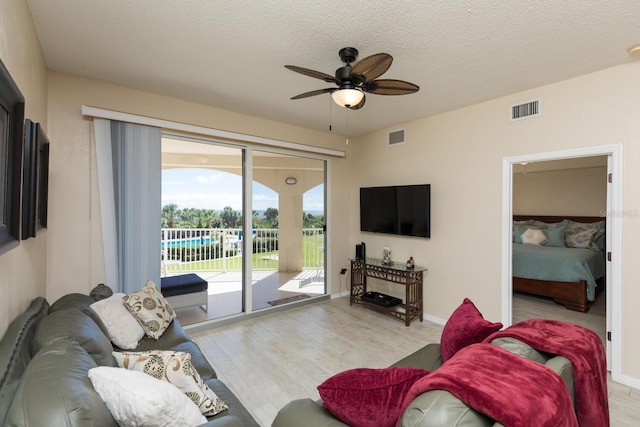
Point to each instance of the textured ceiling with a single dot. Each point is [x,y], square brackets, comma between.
[231,54]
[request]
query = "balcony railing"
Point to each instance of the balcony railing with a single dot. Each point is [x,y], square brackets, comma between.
[220,249]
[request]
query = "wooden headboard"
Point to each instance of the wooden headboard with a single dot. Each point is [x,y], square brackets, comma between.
[558,218]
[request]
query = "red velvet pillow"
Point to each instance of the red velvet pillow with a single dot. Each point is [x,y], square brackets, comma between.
[466,326]
[368,397]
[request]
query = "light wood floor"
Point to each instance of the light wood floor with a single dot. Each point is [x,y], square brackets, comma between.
[270,360]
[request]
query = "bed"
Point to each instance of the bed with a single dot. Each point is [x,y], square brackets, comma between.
[571,276]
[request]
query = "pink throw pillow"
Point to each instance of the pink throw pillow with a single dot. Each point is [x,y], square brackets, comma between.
[366,397]
[466,326]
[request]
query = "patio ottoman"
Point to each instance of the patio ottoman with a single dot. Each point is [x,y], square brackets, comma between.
[185,290]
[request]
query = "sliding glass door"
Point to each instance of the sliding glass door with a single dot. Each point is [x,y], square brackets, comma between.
[248,221]
[288,250]
[202,208]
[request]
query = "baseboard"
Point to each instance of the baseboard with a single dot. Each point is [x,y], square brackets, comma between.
[240,317]
[340,294]
[627,380]
[434,319]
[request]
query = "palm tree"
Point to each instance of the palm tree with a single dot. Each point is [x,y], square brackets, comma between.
[229,217]
[271,215]
[189,217]
[169,215]
[209,217]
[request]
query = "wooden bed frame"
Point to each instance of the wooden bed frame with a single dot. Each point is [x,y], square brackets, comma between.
[572,295]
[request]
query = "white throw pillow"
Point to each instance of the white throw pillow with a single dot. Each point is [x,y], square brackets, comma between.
[174,367]
[534,237]
[124,330]
[150,309]
[136,399]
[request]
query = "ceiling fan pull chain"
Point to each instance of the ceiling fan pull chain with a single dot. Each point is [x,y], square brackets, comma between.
[330,119]
[347,113]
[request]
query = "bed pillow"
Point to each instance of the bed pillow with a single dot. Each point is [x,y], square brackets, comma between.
[521,226]
[174,367]
[534,237]
[518,230]
[368,397]
[545,225]
[522,222]
[466,326]
[122,328]
[581,238]
[555,236]
[598,242]
[573,225]
[150,309]
[138,399]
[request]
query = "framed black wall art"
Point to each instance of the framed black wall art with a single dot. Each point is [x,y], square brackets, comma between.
[29,179]
[35,179]
[43,178]
[11,136]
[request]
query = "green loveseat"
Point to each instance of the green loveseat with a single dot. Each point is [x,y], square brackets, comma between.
[45,356]
[435,408]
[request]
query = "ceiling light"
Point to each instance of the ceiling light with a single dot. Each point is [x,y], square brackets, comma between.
[347,97]
[634,50]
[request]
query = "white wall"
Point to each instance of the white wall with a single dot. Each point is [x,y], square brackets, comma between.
[22,269]
[460,154]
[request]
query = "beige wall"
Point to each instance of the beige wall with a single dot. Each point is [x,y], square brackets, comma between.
[75,221]
[22,269]
[461,153]
[563,187]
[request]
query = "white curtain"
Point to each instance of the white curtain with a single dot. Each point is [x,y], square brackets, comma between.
[129,182]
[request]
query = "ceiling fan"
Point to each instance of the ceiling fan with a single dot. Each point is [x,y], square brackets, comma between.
[354,81]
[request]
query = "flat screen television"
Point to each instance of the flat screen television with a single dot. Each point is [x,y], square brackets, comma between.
[399,209]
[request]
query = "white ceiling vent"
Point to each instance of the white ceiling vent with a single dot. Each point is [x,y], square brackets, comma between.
[396,137]
[526,110]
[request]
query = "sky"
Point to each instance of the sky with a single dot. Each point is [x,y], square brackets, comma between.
[210,189]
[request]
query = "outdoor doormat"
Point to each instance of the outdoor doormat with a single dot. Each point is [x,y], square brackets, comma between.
[288,299]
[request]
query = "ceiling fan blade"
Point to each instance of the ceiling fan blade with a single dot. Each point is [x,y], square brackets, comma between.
[390,87]
[372,67]
[312,73]
[360,104]
[315,92]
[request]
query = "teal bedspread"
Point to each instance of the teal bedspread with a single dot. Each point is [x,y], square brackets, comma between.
[559,264]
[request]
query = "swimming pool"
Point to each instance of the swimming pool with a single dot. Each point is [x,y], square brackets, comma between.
[192,241]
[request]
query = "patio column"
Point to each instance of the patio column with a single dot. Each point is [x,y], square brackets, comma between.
[290,221]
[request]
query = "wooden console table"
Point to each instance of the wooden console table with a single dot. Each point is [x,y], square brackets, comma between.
[410,309]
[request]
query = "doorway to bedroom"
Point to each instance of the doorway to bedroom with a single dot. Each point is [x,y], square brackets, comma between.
[558,197]
[573,184]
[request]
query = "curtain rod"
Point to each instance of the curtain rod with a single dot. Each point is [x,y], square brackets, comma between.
[185,127]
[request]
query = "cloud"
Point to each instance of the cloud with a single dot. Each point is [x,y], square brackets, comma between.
[208,178]
[203,200]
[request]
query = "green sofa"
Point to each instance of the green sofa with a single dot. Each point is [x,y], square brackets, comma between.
[47,351]
[434,408]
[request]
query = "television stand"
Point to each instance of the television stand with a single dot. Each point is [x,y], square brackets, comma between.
[410,309]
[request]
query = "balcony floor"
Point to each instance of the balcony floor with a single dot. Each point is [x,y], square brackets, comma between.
[225,292]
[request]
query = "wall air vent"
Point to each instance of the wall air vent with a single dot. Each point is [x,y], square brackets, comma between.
[396,137]
[526,110]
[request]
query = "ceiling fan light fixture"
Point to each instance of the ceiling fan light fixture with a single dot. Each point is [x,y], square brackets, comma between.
[347,97]
[634,50]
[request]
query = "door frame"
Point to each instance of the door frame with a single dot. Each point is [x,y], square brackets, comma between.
[614,214]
